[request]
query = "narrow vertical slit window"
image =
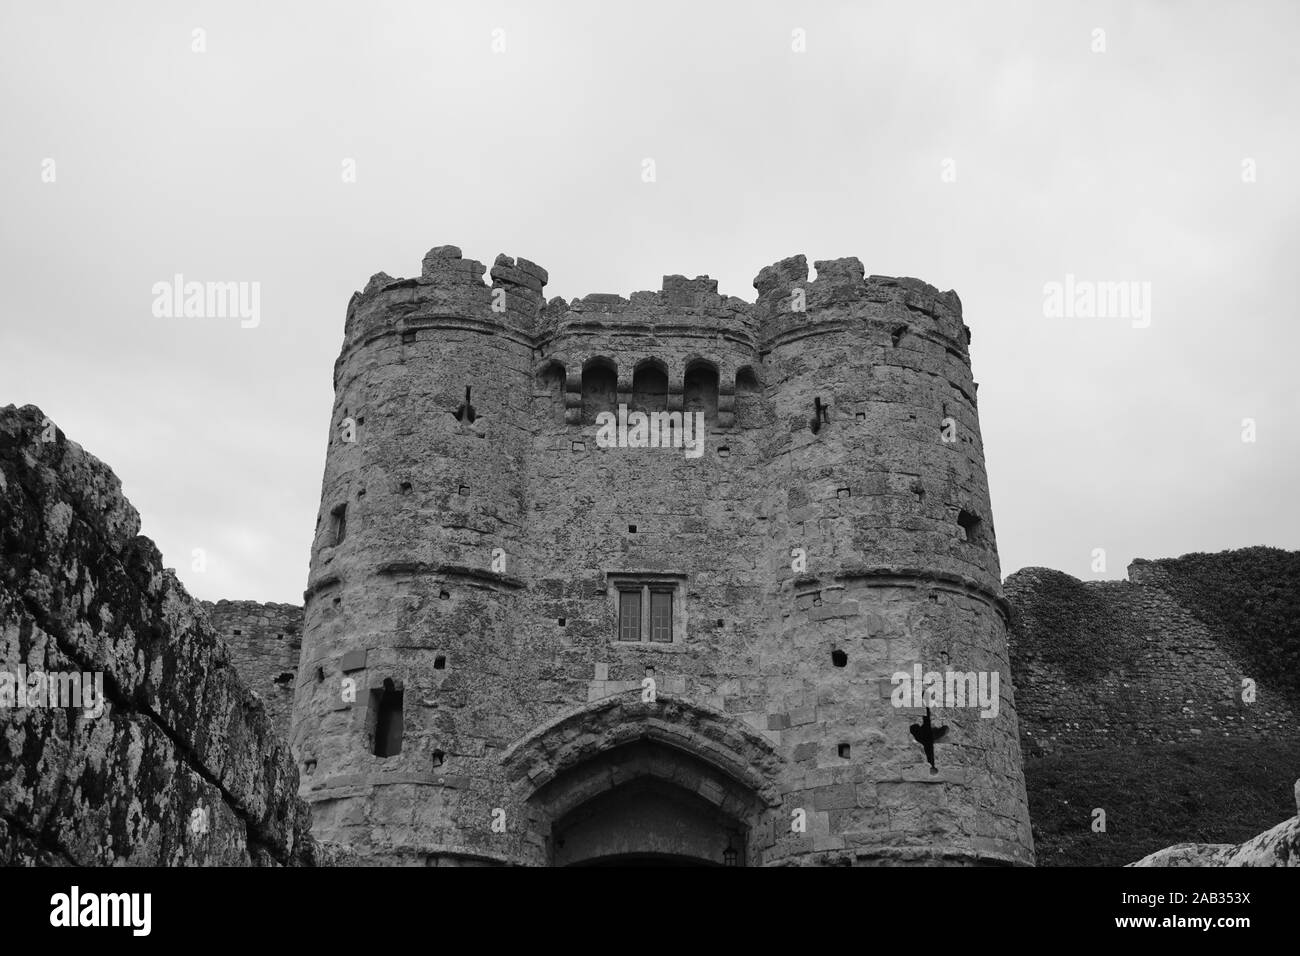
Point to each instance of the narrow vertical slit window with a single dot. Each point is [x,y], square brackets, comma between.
[387,702]
[340,516]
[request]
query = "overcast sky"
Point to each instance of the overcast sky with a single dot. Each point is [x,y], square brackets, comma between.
[988,148]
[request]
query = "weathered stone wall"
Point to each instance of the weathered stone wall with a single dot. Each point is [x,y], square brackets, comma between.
[515,689]
[183,765]
[1104,664]
[265,642]
[1249,597]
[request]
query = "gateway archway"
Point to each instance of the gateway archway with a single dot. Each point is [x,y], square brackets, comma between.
[647,821]
[623,783]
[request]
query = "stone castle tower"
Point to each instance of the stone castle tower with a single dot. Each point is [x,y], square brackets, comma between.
[523,647]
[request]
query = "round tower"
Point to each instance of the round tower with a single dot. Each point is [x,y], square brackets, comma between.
[407,630]
[881,510]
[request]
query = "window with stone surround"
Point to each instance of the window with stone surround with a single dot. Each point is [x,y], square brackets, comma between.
[649,608]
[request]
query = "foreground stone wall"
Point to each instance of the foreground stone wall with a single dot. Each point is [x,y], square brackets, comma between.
[471,561]
[265,642]
[1104,664]
[183,764]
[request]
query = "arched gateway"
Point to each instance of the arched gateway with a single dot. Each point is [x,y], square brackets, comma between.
[631,783]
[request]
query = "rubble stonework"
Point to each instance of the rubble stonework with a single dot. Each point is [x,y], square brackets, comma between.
[265,642]
[1103,664]
[473,536]
[183,765]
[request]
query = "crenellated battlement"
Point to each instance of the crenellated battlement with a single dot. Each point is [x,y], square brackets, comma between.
[789,302]
[444,265]
[451,317]
[451,287]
